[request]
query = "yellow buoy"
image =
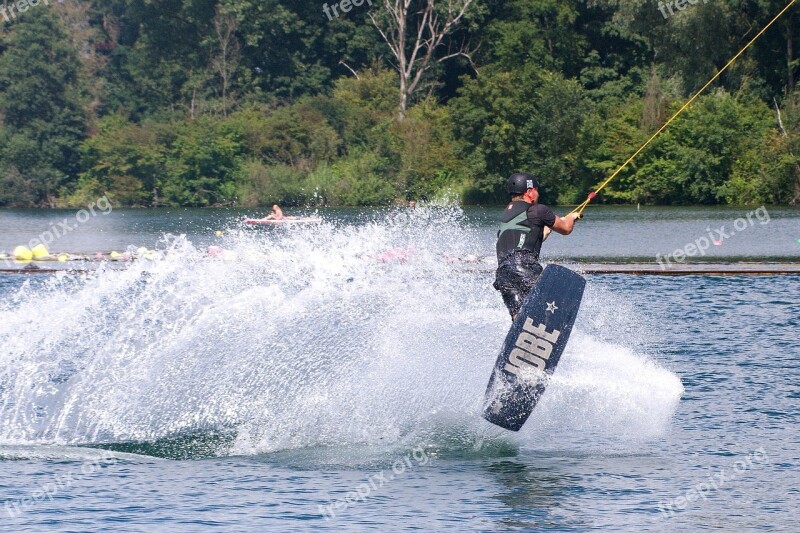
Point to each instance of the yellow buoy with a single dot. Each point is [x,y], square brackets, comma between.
[218,233]
[22,253]
[63,257]
[115,256]
[40,251]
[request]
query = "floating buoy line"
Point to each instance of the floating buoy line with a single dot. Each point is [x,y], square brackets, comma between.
[23,254]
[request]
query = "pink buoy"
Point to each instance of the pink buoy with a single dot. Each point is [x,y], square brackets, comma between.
[400,255]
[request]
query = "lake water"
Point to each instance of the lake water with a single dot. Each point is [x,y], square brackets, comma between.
[605,232]
[307,380]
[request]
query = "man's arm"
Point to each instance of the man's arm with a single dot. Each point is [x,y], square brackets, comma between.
[564,225]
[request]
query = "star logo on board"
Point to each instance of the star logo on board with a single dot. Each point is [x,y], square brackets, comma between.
[497,407]
[551,307]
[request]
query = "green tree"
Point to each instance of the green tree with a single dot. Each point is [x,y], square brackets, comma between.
[201,165]
[124,161]
[523,119]
[693,159]
[543,33]
[42,116]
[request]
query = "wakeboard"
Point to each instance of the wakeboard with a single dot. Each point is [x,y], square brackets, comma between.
[533,347]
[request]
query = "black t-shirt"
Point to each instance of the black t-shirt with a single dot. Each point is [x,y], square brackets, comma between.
[518,217]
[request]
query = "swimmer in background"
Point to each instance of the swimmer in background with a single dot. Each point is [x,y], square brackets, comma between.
[277,214]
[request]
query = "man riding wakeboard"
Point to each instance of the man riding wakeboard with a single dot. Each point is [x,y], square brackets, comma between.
[524,226]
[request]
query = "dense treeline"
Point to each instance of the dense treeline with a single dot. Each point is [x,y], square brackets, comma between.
[245,102]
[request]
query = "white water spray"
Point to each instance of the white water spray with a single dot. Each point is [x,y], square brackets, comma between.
[301,337]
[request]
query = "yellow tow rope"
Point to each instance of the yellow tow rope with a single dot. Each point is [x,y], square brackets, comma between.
[602,186]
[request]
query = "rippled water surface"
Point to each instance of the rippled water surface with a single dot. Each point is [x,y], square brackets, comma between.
[331,377]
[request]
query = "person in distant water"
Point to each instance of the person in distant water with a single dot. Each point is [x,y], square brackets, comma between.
[524,226]
[277,214]
[411,204]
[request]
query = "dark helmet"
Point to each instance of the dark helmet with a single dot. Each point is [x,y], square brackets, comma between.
[520,182]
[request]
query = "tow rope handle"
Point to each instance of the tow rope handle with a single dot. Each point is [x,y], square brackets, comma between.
[580,208]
